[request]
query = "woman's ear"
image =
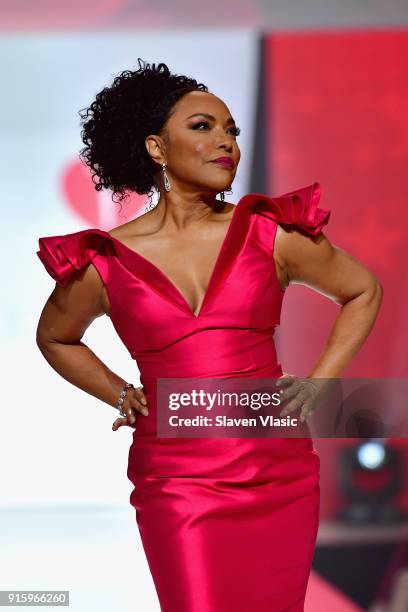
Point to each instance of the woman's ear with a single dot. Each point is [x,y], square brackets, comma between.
[155,148]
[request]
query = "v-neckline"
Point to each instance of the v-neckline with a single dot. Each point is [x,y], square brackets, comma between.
[215,271]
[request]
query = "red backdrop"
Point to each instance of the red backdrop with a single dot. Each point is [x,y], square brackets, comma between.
[336,113]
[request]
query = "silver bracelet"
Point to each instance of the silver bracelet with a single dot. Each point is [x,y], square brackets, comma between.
[122,398]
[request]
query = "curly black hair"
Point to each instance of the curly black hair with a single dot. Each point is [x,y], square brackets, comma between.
[115,126]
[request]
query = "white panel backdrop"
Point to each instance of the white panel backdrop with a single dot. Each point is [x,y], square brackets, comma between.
[57,446]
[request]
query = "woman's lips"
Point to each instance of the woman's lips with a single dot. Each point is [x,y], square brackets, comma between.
[225,163]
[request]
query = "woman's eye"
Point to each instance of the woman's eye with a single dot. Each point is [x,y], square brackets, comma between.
[195,126]
[235,130]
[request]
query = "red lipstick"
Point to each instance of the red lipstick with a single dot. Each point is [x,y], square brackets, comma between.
[227,162]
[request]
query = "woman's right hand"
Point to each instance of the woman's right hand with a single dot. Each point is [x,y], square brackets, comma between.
[135,401]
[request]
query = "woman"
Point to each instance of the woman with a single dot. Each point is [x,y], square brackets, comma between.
[194,288]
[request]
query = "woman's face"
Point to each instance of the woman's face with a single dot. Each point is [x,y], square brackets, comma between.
[200,130]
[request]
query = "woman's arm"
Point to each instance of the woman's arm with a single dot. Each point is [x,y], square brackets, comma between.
[318,264]
[65,317]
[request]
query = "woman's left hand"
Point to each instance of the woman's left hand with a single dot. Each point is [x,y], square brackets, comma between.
[303,393]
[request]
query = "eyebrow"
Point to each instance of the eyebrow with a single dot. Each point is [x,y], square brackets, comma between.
[229,120]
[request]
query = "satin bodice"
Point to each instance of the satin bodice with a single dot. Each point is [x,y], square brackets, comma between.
[241,307]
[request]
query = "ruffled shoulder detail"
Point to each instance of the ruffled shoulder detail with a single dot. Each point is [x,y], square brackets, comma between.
[62,255]
[298,208]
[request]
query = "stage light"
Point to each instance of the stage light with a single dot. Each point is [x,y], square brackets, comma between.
[370,476]
[371,455]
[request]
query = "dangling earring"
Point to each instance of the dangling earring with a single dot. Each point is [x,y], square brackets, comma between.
[222,194]
[167,185]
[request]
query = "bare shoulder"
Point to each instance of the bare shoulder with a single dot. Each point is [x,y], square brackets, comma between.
[294,250]
[292,244]
[317,263]
[142,225]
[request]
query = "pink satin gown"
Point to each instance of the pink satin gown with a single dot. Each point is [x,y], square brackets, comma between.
[227,524]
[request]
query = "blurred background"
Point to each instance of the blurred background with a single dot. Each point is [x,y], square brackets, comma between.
[320,91]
